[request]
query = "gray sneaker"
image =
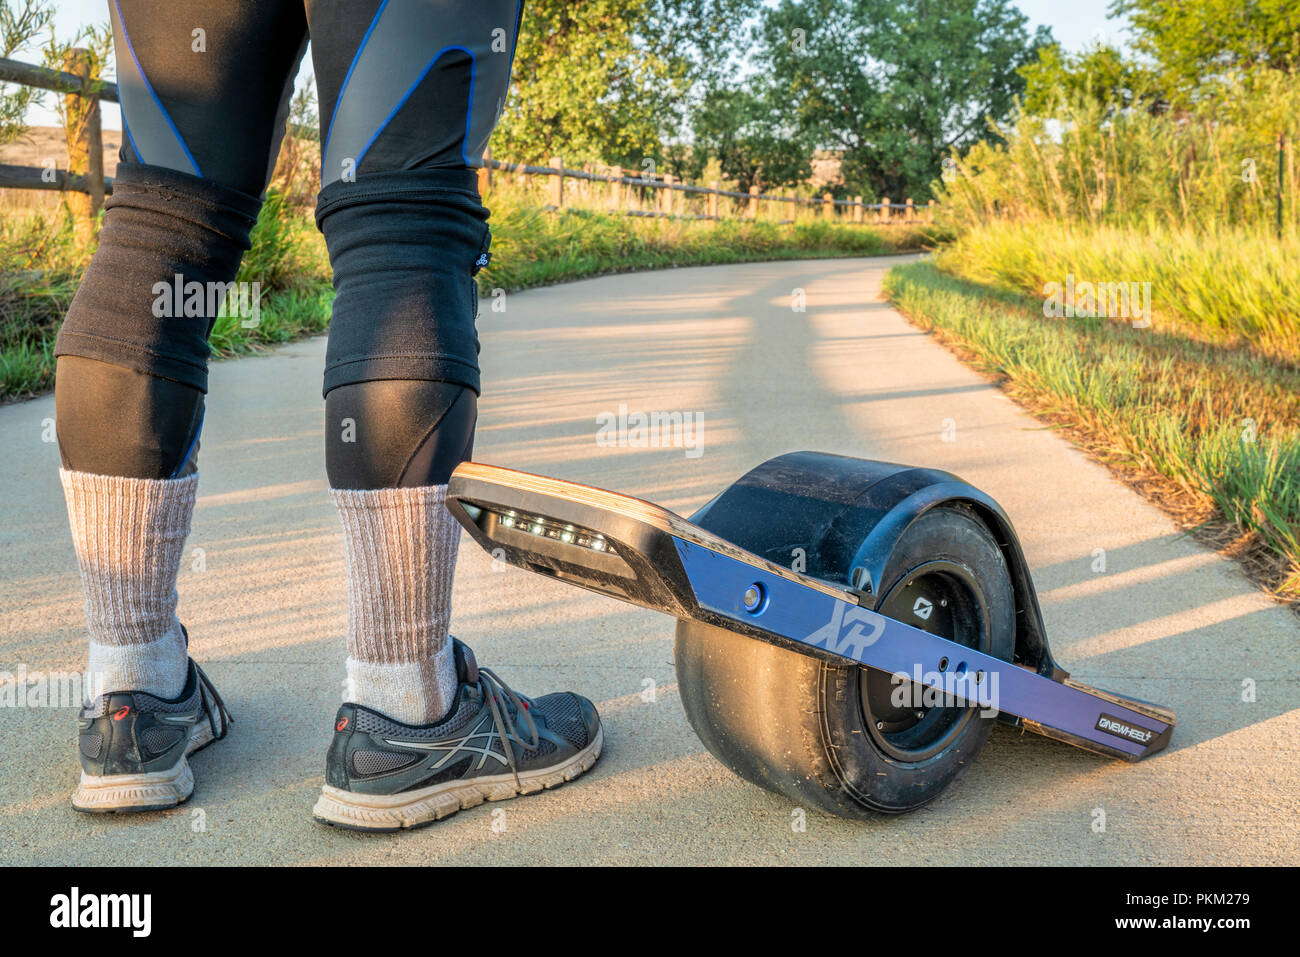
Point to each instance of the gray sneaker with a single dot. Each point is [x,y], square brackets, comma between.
[494,744]
[134,746]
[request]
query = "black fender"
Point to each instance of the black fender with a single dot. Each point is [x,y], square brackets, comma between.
[838,518]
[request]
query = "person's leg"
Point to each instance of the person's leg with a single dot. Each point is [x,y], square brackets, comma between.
[409,95]
[201,128]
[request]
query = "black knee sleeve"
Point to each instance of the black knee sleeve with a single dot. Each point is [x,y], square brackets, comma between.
[404,246]
[159,224]
[397,434]
[115,421]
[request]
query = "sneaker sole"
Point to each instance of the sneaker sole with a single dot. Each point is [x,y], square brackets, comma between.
[412,809]
[152,791]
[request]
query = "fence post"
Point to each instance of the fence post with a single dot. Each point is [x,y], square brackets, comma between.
[857,209]
[85,141]
[910,213]
[753,202]
[557,187]
[930,211]
[666,197]
[485,173]
[884,210]
[828,206]
[713,200]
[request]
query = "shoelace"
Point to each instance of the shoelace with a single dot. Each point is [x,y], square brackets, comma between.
[499,696]
[226,720]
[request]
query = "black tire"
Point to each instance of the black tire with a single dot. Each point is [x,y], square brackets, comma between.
[808,730]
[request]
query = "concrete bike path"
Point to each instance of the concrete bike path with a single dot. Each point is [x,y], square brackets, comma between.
[262,592]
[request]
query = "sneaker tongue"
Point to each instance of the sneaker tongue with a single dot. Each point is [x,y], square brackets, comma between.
[466,666]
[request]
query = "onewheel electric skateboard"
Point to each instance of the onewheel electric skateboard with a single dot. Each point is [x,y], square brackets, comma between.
[889,603]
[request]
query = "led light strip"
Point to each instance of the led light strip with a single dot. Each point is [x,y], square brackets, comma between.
[544,527]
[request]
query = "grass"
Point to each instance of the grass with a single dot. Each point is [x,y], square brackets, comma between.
[1200,411]
[1212,433]
[1211,164]
[532,246]
[1234,287]
[40,265]
[43,254]
[41,261]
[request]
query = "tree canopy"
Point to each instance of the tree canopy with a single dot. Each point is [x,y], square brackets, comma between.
[892,85]
[612,79]
[1198,41]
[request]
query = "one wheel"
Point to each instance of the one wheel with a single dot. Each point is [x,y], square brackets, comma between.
[833,736]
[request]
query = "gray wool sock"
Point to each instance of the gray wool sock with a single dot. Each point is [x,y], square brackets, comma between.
[400,546]
[129,535]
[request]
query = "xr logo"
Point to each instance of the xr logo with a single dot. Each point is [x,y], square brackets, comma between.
[922,609]
[845,633]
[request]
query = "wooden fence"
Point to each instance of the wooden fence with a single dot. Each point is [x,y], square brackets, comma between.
[85,172]
[665,195]
[636,195]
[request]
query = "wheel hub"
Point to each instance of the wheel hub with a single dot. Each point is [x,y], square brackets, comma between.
[906,720]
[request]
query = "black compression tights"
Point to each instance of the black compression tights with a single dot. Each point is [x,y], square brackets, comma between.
[389,433]
[397,434]
[116,421]
[409,95]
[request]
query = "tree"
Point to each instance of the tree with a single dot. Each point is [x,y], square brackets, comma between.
[20,23]
[1200,42]
[1100,74]
[611,80]
[297,167]
[95,41]
[749,136]
[894,85]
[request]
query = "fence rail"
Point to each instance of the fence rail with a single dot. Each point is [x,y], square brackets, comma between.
[87,153]
[86,150]
[60,180]
[885,211]
[60,81]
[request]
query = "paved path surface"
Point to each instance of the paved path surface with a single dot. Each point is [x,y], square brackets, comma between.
[1166,620]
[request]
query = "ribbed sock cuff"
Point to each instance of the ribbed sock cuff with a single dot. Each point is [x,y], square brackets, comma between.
[400,546]
[129,535]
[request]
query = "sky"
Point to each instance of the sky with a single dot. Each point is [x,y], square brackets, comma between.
[1074,23]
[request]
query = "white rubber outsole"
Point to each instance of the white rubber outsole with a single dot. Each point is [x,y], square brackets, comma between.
[123,793]
[393,812]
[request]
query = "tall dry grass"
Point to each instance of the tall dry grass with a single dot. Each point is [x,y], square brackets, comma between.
[1214,166]
[1206,401]
[1235,287]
